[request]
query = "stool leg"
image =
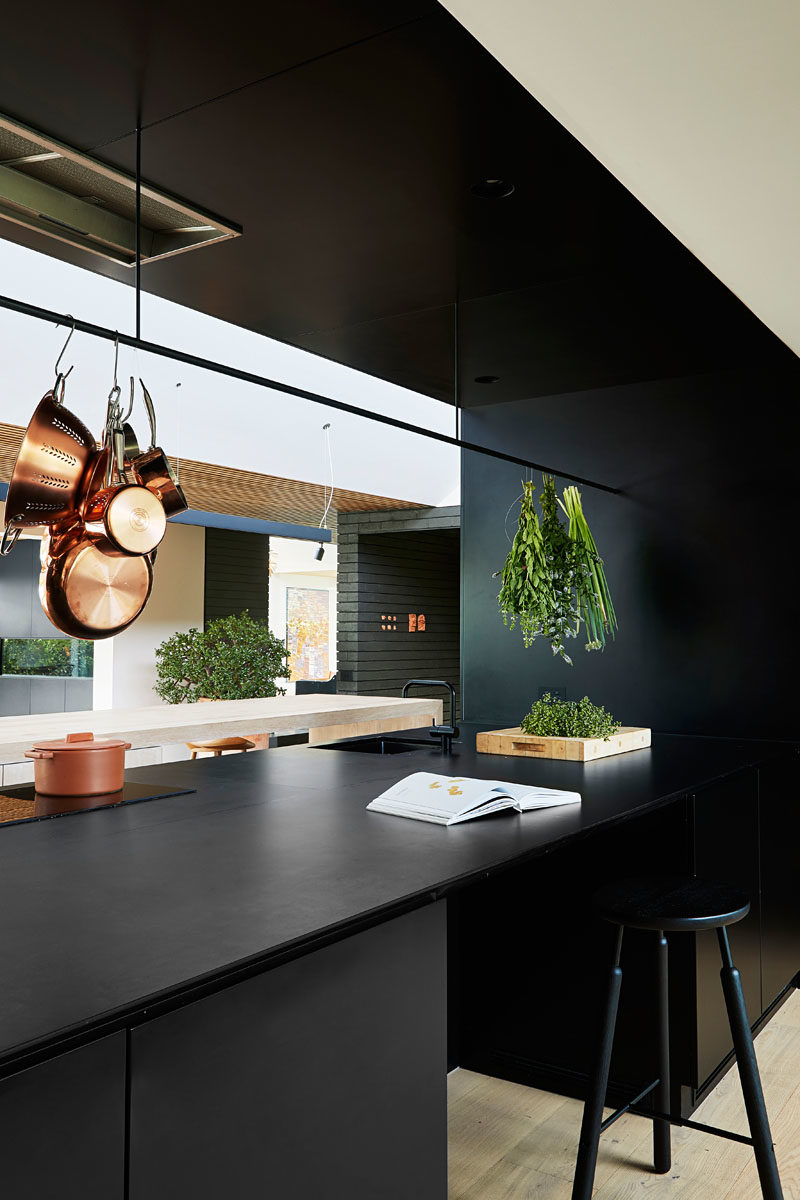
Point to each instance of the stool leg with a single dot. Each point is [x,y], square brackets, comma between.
[748,1074]
[593,1109]
[662,1147]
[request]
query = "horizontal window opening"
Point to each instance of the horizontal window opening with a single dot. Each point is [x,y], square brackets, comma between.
[55,658]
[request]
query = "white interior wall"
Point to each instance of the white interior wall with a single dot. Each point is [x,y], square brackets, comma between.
[125,664]
[693,105]
[206,416]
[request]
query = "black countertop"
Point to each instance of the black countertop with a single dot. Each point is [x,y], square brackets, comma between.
[104,913]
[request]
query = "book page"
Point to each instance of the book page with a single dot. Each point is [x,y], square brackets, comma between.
[528,797]
[439,795]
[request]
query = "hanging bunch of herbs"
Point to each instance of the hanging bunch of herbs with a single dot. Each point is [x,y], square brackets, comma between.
[593,594]
[527,594]
[553,577]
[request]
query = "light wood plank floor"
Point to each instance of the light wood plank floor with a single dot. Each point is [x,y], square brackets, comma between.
[509,1142]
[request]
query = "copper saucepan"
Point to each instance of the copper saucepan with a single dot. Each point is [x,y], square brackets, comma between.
[51,465]
[120,517]
[153,468]
[127,515]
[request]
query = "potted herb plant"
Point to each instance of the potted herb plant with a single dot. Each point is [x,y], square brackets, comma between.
[552,717]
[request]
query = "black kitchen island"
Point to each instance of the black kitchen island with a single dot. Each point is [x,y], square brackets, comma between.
[246,987]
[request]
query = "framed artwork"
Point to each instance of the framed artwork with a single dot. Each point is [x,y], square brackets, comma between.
[308,632]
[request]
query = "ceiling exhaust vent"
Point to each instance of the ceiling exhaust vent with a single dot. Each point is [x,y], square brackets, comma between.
[47,186]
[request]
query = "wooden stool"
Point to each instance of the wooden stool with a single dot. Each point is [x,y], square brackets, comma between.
[216,745]
[670,905]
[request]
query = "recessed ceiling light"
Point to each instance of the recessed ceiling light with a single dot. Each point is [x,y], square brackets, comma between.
[487,379]
[492,189]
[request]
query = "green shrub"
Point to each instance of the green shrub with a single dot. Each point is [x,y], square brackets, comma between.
[234,658]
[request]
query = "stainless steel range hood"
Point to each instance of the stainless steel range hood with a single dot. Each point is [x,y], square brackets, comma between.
[59,191]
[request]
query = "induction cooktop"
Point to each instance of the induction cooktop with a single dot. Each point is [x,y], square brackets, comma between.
[18,804]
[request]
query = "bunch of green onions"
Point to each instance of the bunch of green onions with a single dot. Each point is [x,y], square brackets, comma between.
[593,593]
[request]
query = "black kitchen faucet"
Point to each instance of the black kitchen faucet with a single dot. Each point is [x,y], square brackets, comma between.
[445,733]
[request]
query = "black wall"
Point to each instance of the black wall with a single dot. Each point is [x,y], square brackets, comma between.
[698,547]
[237,574]
[398,574]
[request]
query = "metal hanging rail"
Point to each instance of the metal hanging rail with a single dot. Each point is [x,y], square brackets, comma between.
[205,364]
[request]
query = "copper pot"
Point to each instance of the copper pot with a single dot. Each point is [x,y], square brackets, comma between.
[79,766]
[56,453]
[127,515]
[153,468]
[88,593]
[154,471]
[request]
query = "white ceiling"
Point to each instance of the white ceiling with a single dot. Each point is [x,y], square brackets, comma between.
[694,105]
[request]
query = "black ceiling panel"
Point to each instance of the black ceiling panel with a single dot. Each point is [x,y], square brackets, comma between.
[345,137]
[80,71]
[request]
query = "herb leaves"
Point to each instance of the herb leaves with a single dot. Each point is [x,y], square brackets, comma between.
[551,717]
[553,577]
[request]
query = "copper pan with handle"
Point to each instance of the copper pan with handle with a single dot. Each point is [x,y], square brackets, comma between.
[88,587]
[153,468]
[121,517]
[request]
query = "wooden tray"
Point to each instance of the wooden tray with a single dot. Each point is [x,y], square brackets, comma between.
[526,745]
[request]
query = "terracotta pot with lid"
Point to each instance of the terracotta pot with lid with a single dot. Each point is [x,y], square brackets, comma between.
[78,765]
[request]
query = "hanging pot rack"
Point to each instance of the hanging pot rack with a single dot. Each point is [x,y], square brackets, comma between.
[205,364]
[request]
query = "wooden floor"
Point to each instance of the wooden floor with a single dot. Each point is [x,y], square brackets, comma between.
[509,1142]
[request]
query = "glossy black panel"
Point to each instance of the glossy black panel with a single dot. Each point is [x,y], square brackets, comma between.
[533,962]
[690,549]
[780,895]
[346,139]
[325,1077]
[63,1126]
[79,73]
[726,838]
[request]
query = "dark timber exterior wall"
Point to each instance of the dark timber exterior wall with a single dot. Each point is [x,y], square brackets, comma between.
[237,574]
[393,565]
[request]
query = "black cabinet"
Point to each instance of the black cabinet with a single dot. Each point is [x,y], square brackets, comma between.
[62,1126]
[529,960]
[726,848]
[325,1076]
[779,803]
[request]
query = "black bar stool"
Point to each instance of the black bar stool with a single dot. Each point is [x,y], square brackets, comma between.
[663,906]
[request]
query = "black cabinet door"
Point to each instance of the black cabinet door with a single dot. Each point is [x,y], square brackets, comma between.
[727,850]
[530,961]
[325,1077]
[62,1126]
[779,802]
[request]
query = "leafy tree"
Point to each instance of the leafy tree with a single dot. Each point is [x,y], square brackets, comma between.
[55,657]
[234,658]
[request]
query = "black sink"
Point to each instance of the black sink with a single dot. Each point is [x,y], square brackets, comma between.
[376,745]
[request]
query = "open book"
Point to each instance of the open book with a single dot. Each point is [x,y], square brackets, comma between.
[446,800]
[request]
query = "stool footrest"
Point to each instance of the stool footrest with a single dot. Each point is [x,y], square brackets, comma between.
[686,1123]
[620,1112]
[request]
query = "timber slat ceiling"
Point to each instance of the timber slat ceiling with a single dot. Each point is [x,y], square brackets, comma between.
[228,490]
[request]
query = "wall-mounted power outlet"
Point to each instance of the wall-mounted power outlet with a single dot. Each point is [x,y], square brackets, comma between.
[556,691]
